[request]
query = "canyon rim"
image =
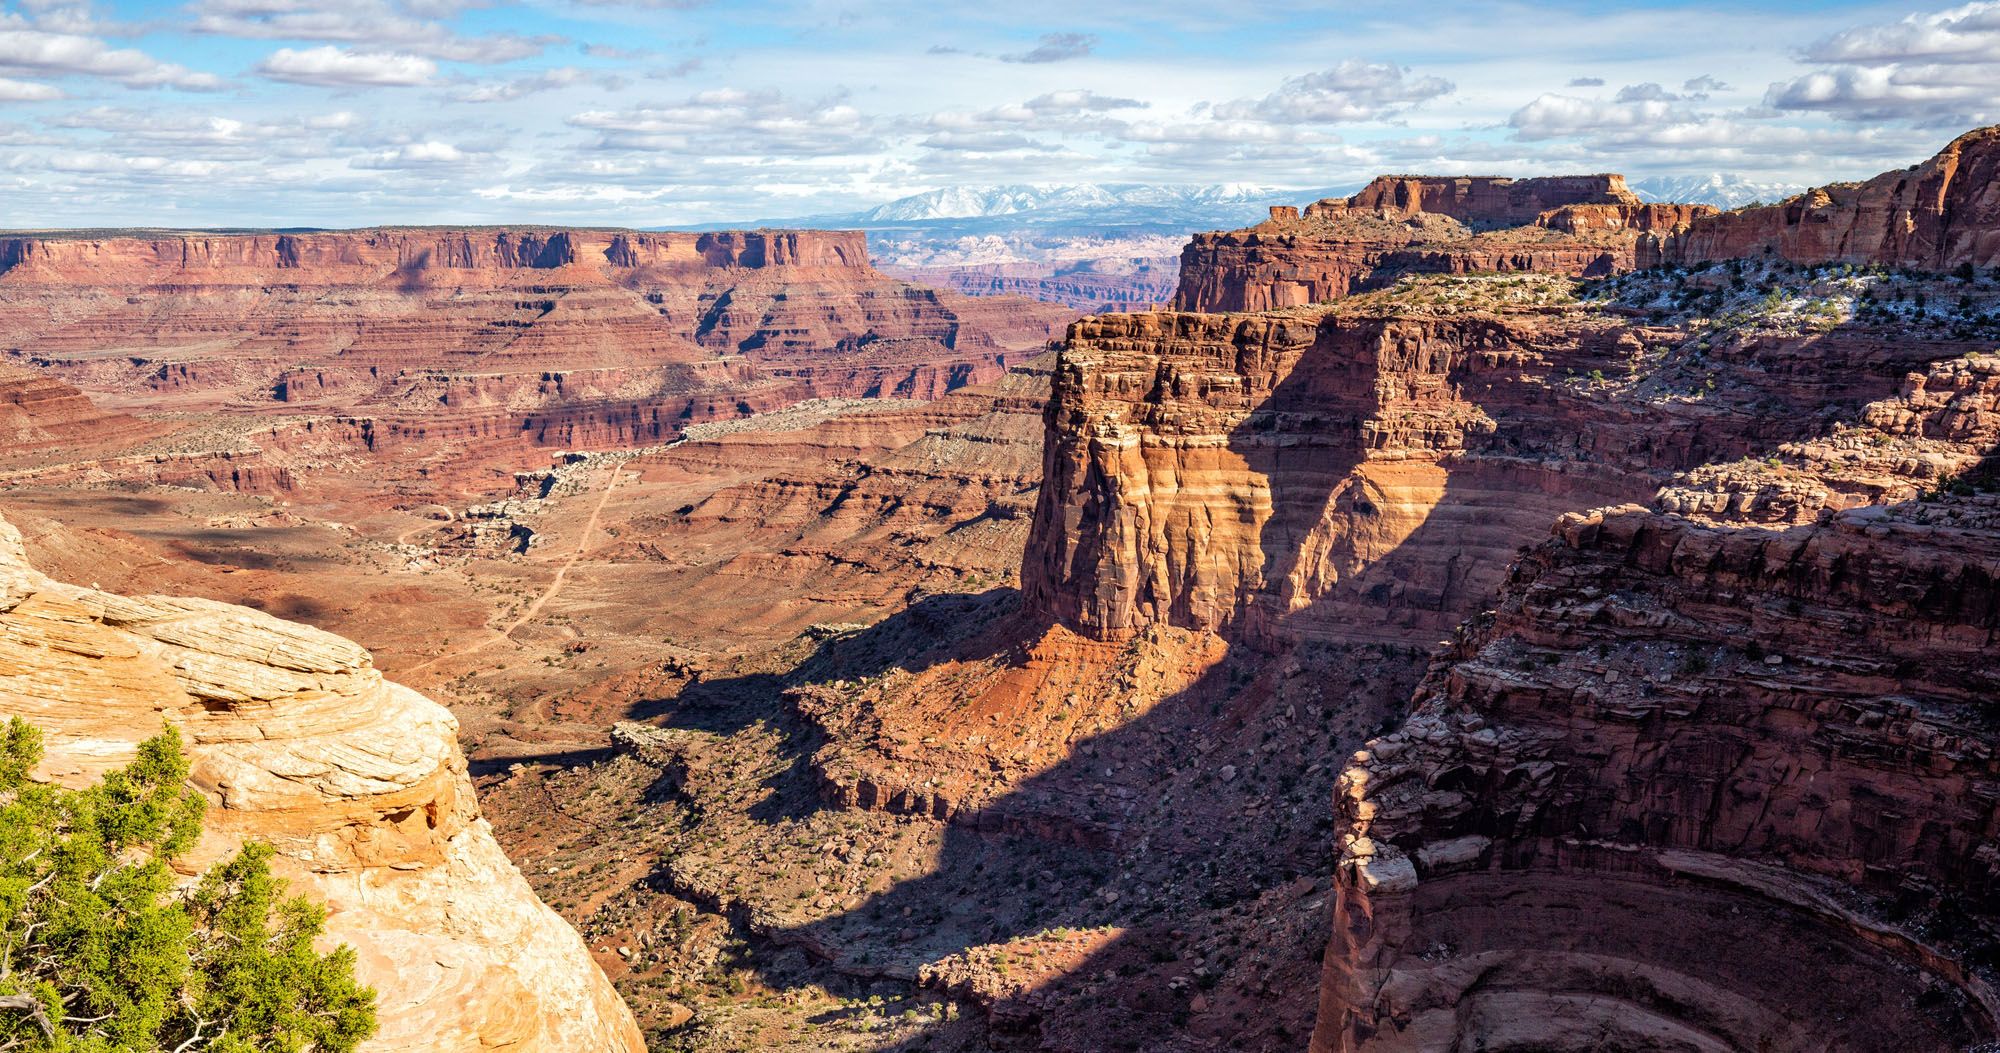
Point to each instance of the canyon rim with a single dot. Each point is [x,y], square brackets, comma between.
[1430,550]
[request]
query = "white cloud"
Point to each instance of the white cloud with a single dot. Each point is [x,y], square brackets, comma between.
[27,91]
[520,87]
[430,154]
[1079,101]
[1552,115]
[1348,92]
[40,52]
[1055,47]
[329,66]
[379,26]
[1938,66]
[1970,33]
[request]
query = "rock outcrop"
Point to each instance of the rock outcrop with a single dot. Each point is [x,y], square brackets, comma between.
[1772,738]
[1582,226]
[1367,472]
[1715,754]
[357,782]
[39,413]
[1481,202]
[1935,216]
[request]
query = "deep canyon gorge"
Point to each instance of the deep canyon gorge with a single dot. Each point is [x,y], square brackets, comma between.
[1471,614]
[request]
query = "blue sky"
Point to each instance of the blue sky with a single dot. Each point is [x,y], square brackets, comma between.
[651,112]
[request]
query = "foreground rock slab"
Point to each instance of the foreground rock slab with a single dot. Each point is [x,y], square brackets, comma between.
[357,782]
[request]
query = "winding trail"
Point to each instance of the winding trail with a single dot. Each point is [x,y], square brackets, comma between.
[555,584]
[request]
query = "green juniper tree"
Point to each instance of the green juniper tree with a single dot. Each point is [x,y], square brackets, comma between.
[100,954]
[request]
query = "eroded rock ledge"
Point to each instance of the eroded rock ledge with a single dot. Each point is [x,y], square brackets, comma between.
[357,782]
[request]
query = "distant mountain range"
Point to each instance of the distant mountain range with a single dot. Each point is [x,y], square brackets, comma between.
[1719,189]
[1061,223]
[1102,210]
[1220,202]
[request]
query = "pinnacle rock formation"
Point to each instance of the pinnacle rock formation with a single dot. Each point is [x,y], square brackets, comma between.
[357,782]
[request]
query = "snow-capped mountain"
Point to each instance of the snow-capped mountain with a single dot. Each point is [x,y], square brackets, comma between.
[1078,200]
[1720,189]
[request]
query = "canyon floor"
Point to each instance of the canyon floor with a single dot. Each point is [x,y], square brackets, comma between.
[1148,873]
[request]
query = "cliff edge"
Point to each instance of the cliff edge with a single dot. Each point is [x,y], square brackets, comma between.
[358,783]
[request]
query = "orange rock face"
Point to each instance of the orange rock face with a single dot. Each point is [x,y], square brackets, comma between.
[357,782]
[1480,201]
[38,413]
[584,339]
[1713,755]
[1365,474]
[1934,216]
[1583,226]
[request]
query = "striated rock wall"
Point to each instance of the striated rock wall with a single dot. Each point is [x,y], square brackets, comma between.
[496,341]
[1368,473]
[1754,713]
[39,412]
[357,782]
[364,257]
[1934,216]
[1336,249]
[1484,202]
[1265,269]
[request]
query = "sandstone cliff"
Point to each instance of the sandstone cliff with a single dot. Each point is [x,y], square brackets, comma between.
[495,340]
[1367,471]
[1585,226]
[357,782]
[1715,753]
[1483,202]
[1934,216]
[1765,735]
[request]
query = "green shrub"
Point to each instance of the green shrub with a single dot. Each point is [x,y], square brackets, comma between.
[100,954]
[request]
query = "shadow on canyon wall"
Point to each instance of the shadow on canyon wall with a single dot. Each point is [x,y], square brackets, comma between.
[1141,813]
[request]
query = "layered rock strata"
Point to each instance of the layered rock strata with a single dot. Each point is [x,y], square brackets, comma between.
[556,338]
[1935,216]
[1715,753]
[1583,226]
[357,782]
[1489,202]
[1367,473]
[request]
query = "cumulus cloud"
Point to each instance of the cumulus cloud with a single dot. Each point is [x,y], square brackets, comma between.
[1648,92]
[519,87]
[45,53]
[1351,91]
[428,154]
[1552,115]
[27,91]
[735,122]
[329,66]
[1703,85]
[380,26]
[1938,66]
[1970,33]
[1079,101]
[1052,47]
[1587,82]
